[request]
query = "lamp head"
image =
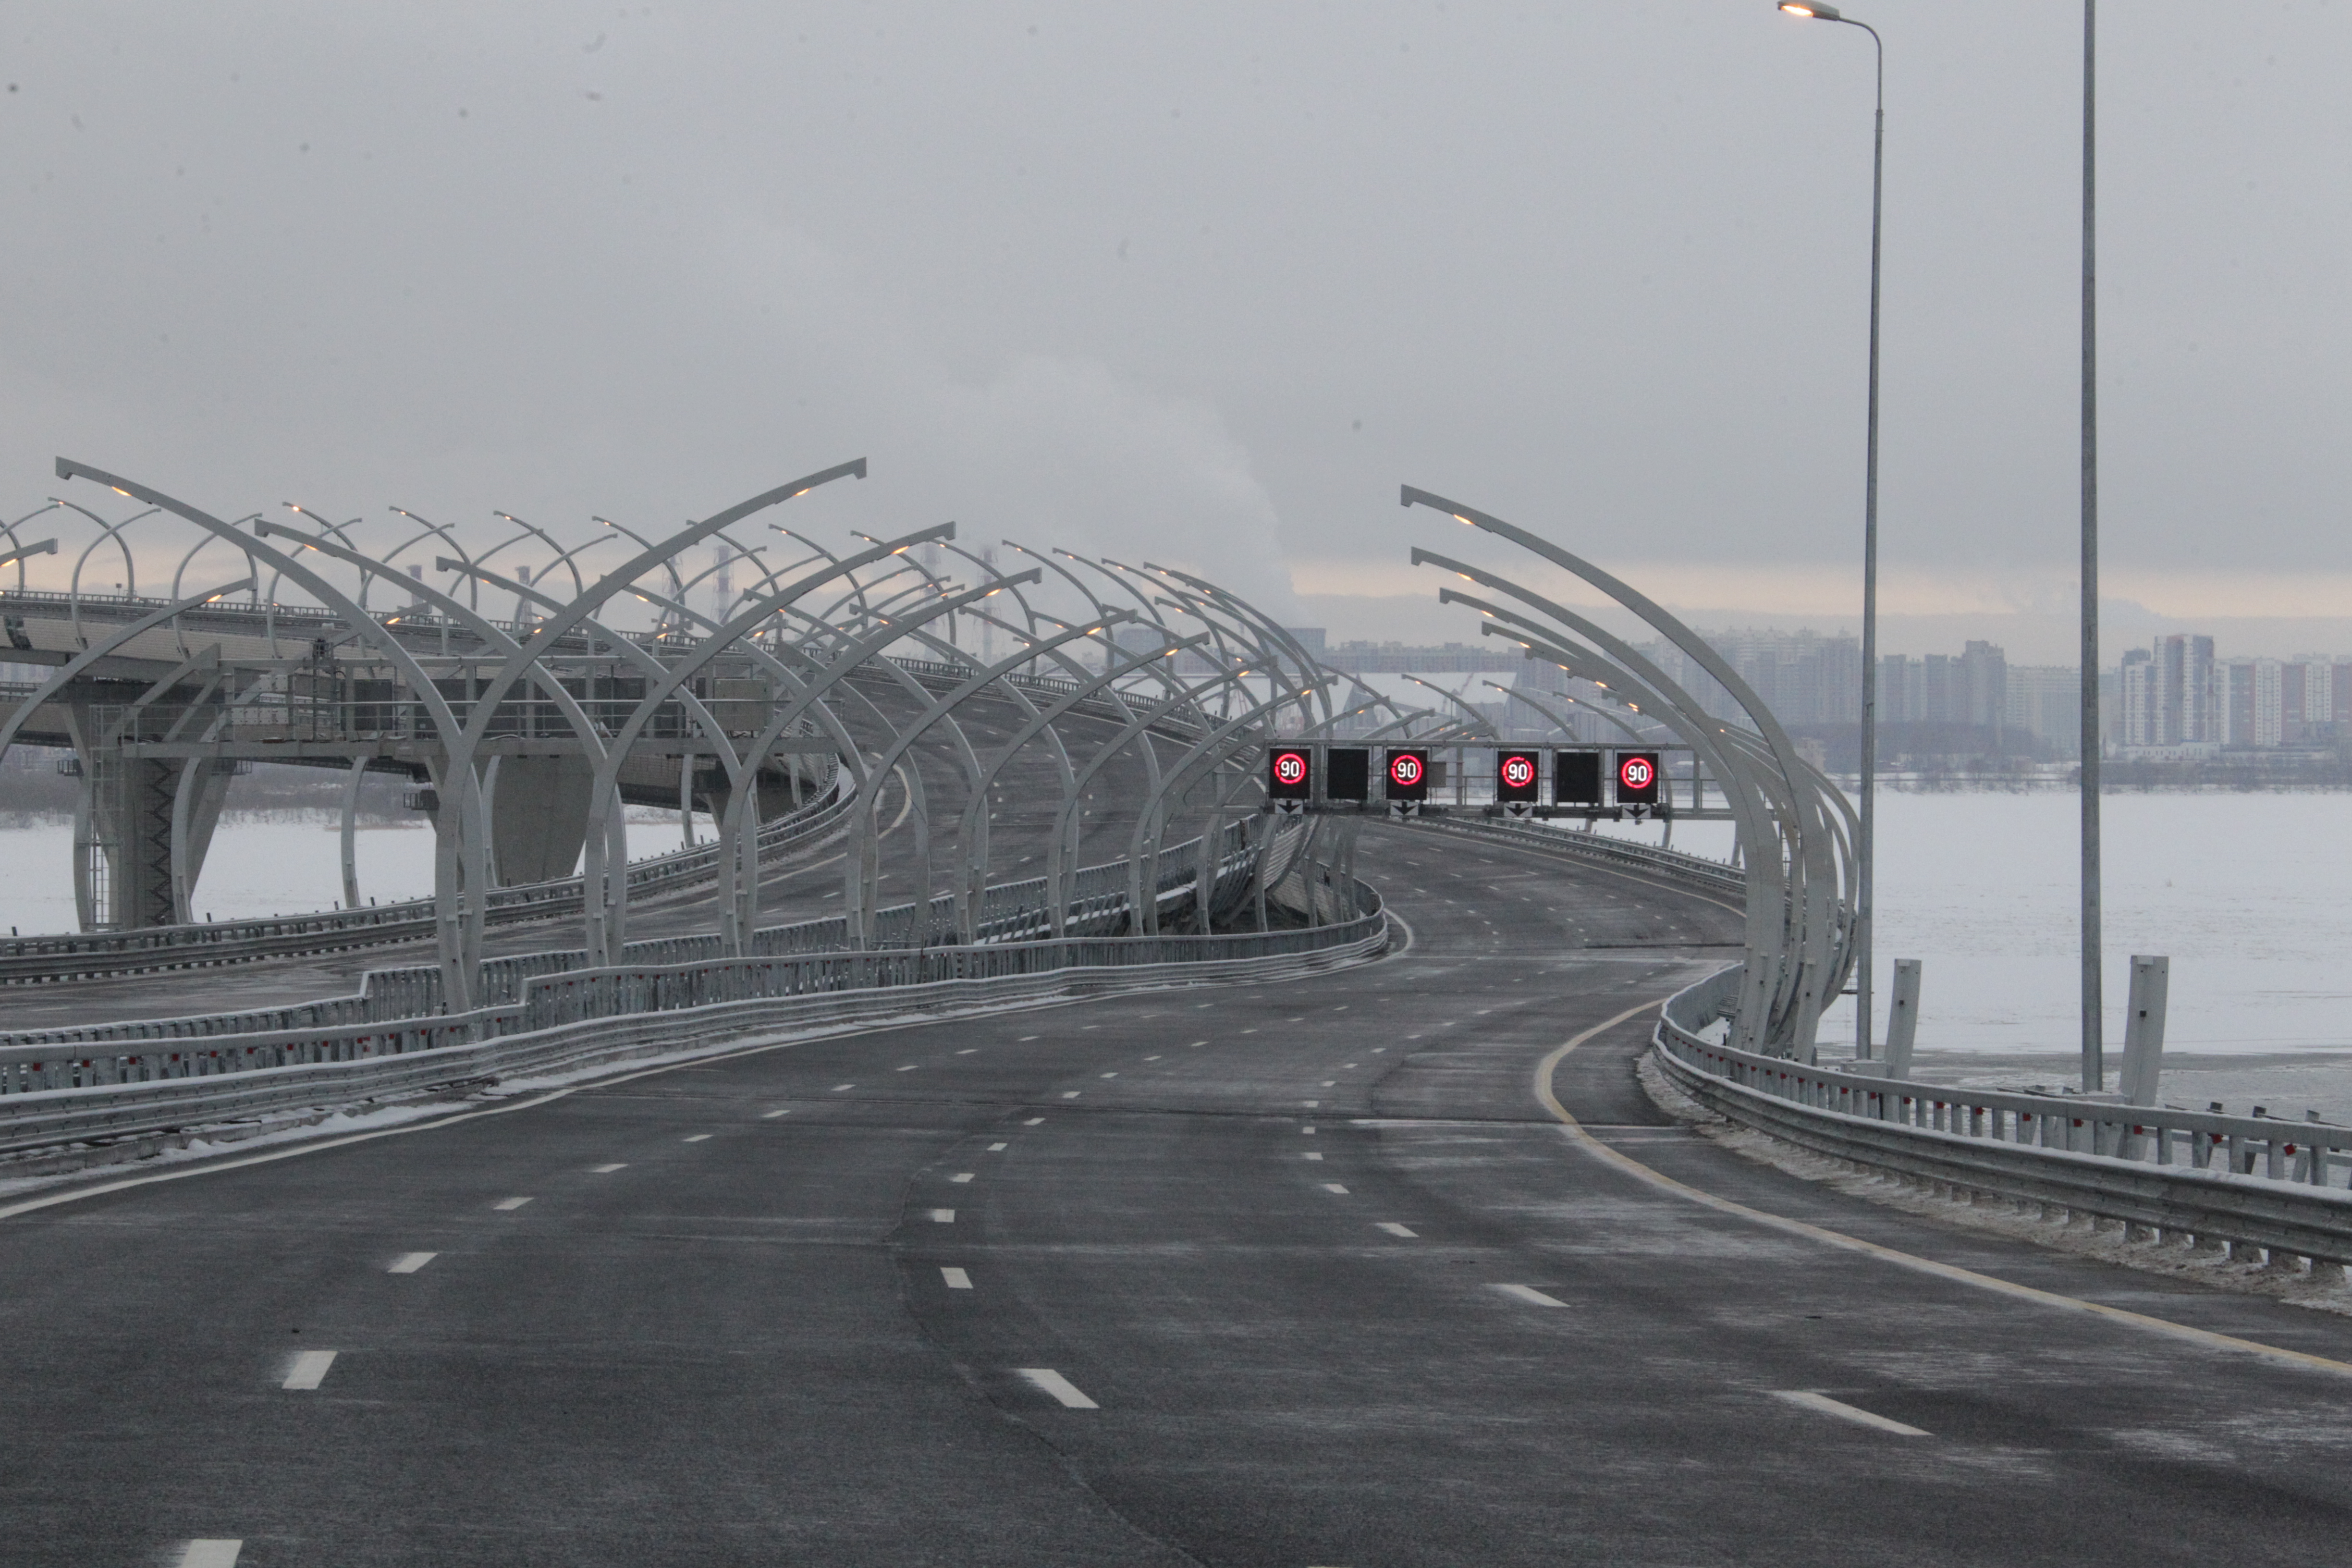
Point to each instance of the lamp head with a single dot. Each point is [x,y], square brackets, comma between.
[1811,9]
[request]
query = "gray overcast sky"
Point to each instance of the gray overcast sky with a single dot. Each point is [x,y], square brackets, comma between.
[1205,282]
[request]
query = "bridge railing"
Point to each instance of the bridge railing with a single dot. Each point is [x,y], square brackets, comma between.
[1676,865]
[387,996]
[47,958]
[586,1017]
[2254,1182]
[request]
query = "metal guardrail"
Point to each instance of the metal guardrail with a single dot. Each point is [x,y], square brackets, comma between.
[36,960]
[1693,870]
[581,1018]
[2251,1181]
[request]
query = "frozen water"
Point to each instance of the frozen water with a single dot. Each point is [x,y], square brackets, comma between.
[258,867]
[2247,894]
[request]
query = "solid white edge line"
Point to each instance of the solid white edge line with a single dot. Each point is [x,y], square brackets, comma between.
[1060,1387]
[1576,1134]
[1844,1412]
[1530,1295]
[309,1369]
[957,1279]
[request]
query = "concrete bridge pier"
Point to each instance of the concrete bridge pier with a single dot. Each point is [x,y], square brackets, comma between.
[142,827]
[539,815]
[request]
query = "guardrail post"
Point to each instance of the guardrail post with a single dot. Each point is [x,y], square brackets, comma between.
[2151,978]
[1902,1017]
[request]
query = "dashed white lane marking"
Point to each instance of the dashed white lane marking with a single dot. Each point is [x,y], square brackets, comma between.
[969,1051]
[1309,1130]
[508,1205]
[1060,1387]
[1530,1295]
[1379,1051]
[1314,1155]
[1110,1075]
[998,1148]
[210,1554]
[1069,1094]
[1025,1039]
[1196,1045]
[1844,1412]
[771,1115]
[1335,1187]
[410,1262]
[960,1177]
[696,1138]
[1330,1083]
[309,1369]
[1033,1121]
[1395,1229]
[910,1066]
[1310,1104]
[839,1087]
[957,1278]
[944,1216]
[608,1170]
[1152,1058]
[1249,1031]
[1346,1066]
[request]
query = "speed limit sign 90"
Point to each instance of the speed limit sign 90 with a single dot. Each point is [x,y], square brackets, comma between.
[1408,775]
[1289,773]
[1637,778]
[1515,775]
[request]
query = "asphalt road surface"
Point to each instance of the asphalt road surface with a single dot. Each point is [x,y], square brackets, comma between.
[1295,1274]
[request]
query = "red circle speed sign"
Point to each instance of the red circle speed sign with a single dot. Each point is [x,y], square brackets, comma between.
[1405,768]
[1290,767]
[1636,773]
[1518,772]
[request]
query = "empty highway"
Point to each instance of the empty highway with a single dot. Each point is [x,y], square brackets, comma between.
[1359,1270]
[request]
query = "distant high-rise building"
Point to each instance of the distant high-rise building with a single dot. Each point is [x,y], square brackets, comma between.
[2234,702]
[2136,720]
[2184,690]
[2045,701]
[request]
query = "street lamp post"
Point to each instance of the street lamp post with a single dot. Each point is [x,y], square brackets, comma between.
[1865,835]
[2095,1069]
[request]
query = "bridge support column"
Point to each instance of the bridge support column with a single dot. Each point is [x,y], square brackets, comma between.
[142,827]
[539,817]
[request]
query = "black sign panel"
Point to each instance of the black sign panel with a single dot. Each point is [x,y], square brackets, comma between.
[1348,774]
[1289,773]
[1639,778]
[1576,778]
[1408,775]
[1516,776]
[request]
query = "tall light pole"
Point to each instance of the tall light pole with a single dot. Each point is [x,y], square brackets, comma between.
[1866,836]
[2095,1070]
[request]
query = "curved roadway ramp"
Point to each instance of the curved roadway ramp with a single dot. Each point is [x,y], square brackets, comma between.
[1289,1275]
